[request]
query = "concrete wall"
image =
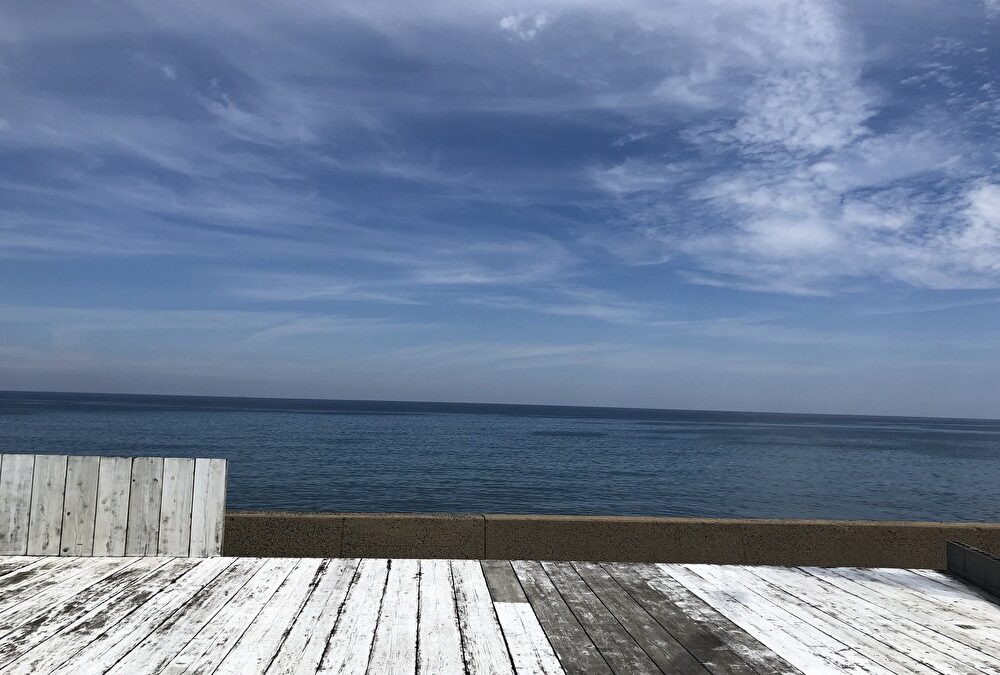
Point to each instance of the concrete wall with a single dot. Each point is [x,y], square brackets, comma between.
[773,542]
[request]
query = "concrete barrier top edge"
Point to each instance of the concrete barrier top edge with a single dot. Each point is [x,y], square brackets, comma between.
[513,518]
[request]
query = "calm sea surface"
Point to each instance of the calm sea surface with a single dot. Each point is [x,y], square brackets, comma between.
[385,456]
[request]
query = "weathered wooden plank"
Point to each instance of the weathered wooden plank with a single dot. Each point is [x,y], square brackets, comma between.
[438,620]
[142,534]
[80,506]
[153,653]
[483,645]
[394,651]
[529,648]
[720,645]
[258,645]
[661,647]
[92,630]
[527,644]
[798,642]
[119,632]
[350,646]
[9,564]
[956,585]
[982,643]
[175,507]
[15,502]
[303,647]
[934,582]
[953,582]
[48,486]
[58,587]
[41,627]
[851,610]
[24,584]
[209,647]
[208,510]
[914,590]
[773,636]
[114,484]
[576,651]
[502,582]
[615,644]
[850,634]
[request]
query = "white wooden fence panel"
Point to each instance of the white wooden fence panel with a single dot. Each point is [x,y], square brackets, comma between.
[15,502]
[209,508]
[79,506]
[175,507]
[144,506]
[47,489]
[113,485]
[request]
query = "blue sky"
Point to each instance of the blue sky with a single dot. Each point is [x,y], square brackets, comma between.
[722,204]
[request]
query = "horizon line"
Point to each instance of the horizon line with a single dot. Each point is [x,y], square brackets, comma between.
[499,404]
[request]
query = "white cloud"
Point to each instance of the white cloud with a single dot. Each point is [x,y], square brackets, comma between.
[784,182]
[818,199]
[976,242]
[524,26]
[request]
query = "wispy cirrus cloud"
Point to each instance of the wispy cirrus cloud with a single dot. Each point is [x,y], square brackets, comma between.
[598,182]
[823,195]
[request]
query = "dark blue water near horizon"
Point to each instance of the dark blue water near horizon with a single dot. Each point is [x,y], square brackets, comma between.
[320,455]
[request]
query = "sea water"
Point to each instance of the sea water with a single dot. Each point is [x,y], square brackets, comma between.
[312,455]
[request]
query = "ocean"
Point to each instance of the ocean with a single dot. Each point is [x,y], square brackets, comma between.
[315,455]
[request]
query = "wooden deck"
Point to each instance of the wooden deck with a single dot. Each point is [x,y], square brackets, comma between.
[256,615]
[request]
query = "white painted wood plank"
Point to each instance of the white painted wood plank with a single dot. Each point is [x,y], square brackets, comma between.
[48,486]
[482,641]
[15,502]
[745,646]
[153,653]
[934,596]
[438,620]
[175,507]
[121,637]
[23,586]
[850,609]
[955,584]
[802,651]
[776,610]
[58,587]
[947,580]
[92,631]
[209,508]
[113,486]
[529,648]
[394,651]
[349,648]
[303,648]
[212,643]
[43,626]
[980,638]
[258,646]
[794,597]
[142,534]
[13,563]
[79,506]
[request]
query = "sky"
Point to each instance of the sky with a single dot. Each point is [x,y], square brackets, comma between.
[716,204]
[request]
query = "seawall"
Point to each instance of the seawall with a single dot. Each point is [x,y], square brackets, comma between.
[824,543]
